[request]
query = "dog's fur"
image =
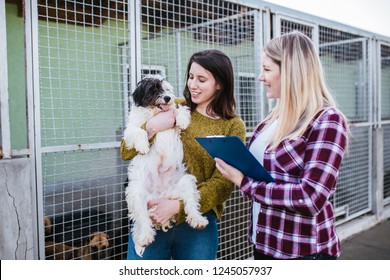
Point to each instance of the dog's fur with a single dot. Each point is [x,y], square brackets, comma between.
[95,247]
[158,170]
[59,251]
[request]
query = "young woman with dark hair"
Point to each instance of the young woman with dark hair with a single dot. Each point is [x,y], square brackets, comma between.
[209,92]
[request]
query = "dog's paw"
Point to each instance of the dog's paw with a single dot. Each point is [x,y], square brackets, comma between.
[182,123]
[197,221]
[141,147]
[136,138]
[128,142]
[139,250]
[144,238]
[183,117]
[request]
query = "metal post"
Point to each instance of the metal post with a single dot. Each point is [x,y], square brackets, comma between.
[5,133]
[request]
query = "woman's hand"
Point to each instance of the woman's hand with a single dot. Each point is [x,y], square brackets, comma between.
[160,122]
[163,209]
[229,172]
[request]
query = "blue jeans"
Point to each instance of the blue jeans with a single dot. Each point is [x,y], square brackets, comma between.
[181,242]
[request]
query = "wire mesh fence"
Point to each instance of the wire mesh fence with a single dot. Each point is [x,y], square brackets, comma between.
[90,55]
[81,120]
[386,168]
[384,78]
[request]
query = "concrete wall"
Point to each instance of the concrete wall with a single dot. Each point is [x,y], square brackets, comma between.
[16,219]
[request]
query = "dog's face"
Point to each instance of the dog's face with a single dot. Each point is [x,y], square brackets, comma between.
[154,92]
[96,247]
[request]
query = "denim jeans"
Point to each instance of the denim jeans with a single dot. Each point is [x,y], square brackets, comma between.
[181,242]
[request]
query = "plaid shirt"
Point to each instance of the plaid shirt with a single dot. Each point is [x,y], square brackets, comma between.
[296,217]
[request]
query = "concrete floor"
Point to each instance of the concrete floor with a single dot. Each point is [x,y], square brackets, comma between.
[372,244]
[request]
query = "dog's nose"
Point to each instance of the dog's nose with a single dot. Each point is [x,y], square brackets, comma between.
[167,99]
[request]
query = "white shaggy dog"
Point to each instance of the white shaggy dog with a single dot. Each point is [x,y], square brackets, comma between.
[158,170]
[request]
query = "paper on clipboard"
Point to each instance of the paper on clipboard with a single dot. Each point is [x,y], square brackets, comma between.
[234,152]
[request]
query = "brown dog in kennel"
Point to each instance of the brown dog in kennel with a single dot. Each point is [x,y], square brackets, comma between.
[94,247]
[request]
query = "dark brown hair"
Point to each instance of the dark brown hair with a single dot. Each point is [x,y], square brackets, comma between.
[219,65]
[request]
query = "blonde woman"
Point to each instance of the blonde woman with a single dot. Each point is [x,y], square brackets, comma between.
[302,144]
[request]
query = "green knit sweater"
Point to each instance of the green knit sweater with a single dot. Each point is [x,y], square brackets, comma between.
[214,189]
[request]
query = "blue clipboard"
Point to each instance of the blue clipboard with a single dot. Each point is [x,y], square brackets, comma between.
[234,152]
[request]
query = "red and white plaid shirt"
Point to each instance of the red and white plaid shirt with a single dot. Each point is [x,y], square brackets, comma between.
[296,217]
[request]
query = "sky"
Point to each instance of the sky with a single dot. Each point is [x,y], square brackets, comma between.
[370,15]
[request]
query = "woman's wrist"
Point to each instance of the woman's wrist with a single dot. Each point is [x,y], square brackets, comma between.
[239,179]
[176,206]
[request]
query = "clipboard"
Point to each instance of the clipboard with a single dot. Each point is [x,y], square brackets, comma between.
[234,152]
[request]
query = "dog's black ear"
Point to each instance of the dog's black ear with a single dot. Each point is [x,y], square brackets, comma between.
[146,92]
[138,94]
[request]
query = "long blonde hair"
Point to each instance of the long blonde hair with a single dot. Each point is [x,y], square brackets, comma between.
[303,89]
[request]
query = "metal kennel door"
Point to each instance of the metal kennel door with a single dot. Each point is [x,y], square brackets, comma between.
[79,118]
[171,32]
